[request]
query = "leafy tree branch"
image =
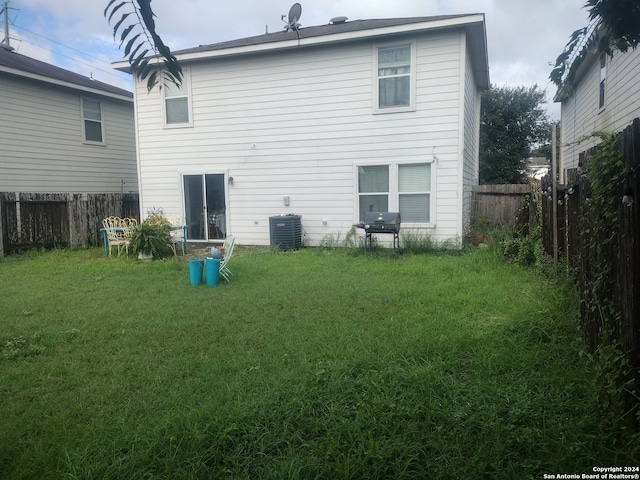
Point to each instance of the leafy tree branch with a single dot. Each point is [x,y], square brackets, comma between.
[613,25]
[147,54]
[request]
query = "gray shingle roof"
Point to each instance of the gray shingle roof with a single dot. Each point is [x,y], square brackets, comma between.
[317,31]
[15,61]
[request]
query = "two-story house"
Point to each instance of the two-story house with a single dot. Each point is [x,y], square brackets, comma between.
[61,132]
[604,97]
[326,122]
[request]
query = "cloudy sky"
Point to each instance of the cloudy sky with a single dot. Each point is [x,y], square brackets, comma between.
[523,36]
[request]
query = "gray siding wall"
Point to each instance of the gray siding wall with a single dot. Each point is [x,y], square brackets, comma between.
[581,114]
[41,141]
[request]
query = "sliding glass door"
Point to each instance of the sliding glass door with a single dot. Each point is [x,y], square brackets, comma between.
[204,206]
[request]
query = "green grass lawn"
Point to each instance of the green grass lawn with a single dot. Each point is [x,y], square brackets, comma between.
[309,364]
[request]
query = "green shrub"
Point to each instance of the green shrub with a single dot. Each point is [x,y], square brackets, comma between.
[152,237]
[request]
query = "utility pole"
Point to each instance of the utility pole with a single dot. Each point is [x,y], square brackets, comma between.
[5,12]
[554,195]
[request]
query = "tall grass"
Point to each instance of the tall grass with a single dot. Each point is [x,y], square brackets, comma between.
[309,364]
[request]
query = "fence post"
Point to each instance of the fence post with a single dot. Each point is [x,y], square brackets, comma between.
[1,225]
[77,220]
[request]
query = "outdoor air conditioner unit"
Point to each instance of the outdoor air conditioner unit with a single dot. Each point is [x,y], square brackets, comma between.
[286,232]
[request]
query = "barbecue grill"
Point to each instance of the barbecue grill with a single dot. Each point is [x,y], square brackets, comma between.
[381,222]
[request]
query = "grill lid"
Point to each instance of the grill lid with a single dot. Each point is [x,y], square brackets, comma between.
[382,222]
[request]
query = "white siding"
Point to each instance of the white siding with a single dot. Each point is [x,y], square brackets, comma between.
[41,142]
[296,123]
[581,114]
[471,141]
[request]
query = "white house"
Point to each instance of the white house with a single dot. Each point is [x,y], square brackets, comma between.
[325,122]
[61,132]
[604,97]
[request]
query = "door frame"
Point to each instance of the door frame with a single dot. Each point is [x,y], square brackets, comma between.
[202,173]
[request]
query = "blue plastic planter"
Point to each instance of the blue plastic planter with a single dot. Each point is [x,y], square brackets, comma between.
[195,272]
[213,271]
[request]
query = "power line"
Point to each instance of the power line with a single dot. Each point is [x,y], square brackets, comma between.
[58,43]
[75,59]
[93,66]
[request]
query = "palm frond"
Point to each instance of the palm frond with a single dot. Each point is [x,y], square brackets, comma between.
[137,28]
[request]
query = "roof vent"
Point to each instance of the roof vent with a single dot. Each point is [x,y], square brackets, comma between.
[338,20]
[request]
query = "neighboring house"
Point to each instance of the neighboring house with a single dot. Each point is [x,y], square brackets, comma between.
[538,167]
[605,97]
[61,132]
[326,122]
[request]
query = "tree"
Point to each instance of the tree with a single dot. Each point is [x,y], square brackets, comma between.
[511,124]
[148,56]
[613,25]
[544,149]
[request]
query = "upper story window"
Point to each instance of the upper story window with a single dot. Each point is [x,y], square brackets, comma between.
[603,78]
[395,67]
[177,104]
[92,121]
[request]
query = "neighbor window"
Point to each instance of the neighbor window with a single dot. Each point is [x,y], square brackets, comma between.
[394,78]
[404,188]
[176,103]
[92,121]
[603,78]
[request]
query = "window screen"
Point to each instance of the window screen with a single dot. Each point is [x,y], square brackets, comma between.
[92,120]
[373,189]
[394,77]
[414,190]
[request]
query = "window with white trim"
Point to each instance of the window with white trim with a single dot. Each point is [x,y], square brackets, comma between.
[177,104]
[395,65]
[414,192]
[404,188]
[92,124]
[373,189]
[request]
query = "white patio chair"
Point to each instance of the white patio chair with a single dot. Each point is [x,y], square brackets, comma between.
[228,250]
[115,234]
[128,226]
[176,235]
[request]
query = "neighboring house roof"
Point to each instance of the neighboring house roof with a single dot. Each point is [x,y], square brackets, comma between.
[343,31]
[14,63]
[538,166]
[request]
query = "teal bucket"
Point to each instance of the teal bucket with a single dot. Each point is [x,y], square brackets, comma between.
[212,266]
[195,272]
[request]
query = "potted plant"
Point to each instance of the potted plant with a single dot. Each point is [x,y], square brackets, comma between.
[150,239]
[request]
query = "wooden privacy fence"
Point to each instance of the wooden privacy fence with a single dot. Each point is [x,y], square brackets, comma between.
[618,250]
[46,220]
[504,205]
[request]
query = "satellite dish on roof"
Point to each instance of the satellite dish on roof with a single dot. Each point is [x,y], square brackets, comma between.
[294,15]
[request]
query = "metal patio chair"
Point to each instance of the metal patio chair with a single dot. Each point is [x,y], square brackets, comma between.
[228,250]
[177,240]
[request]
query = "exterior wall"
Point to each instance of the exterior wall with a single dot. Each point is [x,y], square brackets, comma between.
[581,114]
[298,124]
[470,171]
[41,142]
